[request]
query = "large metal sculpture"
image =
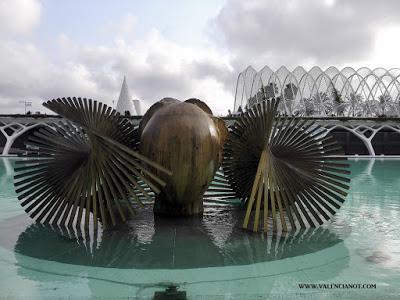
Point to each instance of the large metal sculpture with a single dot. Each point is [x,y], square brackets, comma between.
[284,167]
[96,165]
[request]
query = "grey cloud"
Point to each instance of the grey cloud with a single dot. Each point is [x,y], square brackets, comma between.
[209,69]
[153,86]
[290,32]
[19,17]
[26,74]
[97,72]
[151,80]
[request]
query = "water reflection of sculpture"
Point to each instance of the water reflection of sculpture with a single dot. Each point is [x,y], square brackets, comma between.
[8,170]
[128,249]
[171,245]
[92,171]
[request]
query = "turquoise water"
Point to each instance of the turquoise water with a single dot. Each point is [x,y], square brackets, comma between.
[210,258]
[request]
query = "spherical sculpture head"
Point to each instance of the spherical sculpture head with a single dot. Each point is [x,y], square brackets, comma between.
[185,138]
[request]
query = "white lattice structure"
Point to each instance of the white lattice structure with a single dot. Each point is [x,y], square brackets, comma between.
[12,129]
[347,92]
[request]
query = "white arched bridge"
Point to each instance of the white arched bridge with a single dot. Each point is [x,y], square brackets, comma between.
[14,128]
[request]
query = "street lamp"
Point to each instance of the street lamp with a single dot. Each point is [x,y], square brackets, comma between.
[26,103]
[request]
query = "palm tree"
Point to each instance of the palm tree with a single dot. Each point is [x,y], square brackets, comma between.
[323,103]
[355,101]
[384,101]
[338,103]
[252,100]
[370,108]
[309,107]
[271,90]
[398,105]
[305,107]
[289,93]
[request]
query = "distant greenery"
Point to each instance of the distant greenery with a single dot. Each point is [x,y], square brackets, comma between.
[325,104]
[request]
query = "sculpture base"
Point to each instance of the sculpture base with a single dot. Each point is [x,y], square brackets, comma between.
[165,208]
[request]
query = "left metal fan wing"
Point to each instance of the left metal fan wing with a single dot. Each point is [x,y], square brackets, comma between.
[88,170]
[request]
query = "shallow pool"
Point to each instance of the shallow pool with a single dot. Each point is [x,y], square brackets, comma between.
[211,257]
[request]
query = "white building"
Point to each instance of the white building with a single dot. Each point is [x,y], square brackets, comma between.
[138,107]
[125,102]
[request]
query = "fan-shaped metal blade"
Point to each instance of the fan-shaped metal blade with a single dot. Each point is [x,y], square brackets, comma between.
[88,168]
[285,168]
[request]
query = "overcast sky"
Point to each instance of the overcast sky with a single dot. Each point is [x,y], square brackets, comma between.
[180,48]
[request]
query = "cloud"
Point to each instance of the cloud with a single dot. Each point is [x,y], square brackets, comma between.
[27,74]
[123,27]
[19,16]
[297,32]
[155,68]
[256,32]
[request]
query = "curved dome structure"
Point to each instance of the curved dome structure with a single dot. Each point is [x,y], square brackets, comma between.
[331,92]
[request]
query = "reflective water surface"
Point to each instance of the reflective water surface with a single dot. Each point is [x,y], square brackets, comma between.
[210,256]
[167,244]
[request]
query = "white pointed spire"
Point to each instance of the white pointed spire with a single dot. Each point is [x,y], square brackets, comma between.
[124,101]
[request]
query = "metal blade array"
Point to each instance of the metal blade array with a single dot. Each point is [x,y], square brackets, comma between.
[88,170]
[219,188]
[285,168]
